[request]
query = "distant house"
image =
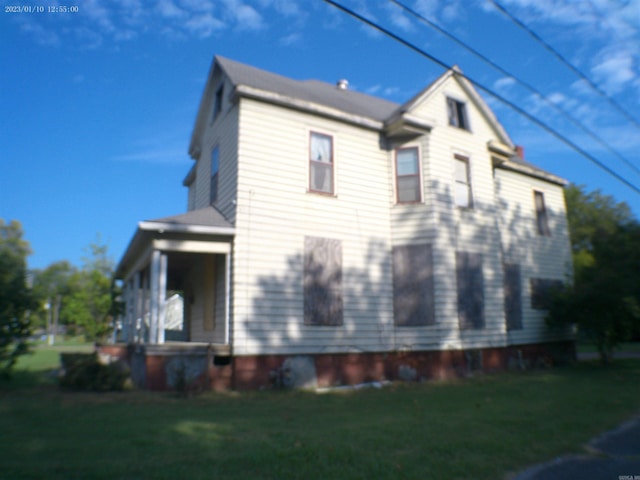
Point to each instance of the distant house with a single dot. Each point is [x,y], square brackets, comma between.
[348,234]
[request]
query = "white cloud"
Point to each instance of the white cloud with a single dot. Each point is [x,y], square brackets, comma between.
[291,39]
[41,35]
[168,9]
[204,25]
[614,71]
[504,83]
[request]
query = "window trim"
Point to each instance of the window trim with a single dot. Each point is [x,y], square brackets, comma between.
[453,107]
[418,174]
[214,177]
[542,214]
[311,162]
[468,184]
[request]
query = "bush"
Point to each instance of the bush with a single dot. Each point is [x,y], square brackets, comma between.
[83,371]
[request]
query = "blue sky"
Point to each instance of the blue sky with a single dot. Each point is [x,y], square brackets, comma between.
[97,105]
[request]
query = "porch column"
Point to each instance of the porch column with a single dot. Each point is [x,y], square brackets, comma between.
[162,297]
[158,294]
[227,295]
[127,294]
[135,307]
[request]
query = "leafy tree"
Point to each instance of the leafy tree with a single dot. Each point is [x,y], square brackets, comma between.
[88,305]
[604,300]
[16,299]
[50,287]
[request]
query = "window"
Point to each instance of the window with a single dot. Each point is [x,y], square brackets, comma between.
[542,290]
[322,281]
[457,112]
[215,165]
[321,163]
[512,296]
[217,102]
[408,175]
[462,188]
[470,284]
[542,218]
[413,291]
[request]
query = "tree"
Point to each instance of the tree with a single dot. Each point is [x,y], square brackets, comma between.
[50,287]
[88,305]
[604,299]
[16,299]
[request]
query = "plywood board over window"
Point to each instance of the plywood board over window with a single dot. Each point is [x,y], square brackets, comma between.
[413,289]
[512,296]
[322,281]
[470,282]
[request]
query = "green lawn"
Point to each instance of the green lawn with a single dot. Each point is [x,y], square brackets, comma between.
[481,428]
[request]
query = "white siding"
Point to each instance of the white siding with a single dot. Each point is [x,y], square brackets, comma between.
[538,256]
[275,213]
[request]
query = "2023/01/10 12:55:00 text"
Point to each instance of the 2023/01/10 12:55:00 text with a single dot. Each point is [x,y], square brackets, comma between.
[41,9]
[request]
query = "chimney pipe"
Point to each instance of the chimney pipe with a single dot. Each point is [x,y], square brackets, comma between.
[520,151]
[342,84]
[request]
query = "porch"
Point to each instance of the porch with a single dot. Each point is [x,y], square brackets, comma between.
[176,275]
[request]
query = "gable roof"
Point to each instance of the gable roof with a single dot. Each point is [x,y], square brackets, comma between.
[315,91]
[325,99]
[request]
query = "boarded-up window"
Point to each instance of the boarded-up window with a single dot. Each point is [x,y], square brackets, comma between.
[322,281]
[413,291]
[512,296]
[470,290]
[542,290]
[542,217]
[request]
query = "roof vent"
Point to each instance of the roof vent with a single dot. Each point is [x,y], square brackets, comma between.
[342,84]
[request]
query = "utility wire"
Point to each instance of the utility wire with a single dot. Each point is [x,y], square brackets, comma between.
[489,91]
[528,86]
[567,63]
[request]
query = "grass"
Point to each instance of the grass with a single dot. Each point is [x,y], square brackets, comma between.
[481,428]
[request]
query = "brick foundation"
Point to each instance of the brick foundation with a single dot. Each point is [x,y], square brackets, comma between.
[151,367]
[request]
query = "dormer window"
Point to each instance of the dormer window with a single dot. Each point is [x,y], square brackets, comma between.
[457,112]
[217,102]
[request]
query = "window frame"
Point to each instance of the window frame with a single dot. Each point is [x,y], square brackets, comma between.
[542,214]
[214,176]
[312,162]
[457,110]
[417,175]
[469,187]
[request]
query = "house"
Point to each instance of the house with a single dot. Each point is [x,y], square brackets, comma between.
[332,237]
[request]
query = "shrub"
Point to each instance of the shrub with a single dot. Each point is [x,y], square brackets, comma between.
[83,371]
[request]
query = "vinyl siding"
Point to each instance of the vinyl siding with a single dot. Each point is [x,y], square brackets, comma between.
[449,228]
[223,133]
[276,212]
[539,256]
[268,176]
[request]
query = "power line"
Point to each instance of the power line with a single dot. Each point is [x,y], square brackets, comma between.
[567,63]
[489,91]
[527,85]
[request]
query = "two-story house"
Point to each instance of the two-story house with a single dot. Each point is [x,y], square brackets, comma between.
[334,237]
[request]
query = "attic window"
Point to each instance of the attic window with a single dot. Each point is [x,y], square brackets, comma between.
[217,103]
[457,112]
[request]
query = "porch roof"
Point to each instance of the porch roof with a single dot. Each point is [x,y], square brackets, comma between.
[207,222]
